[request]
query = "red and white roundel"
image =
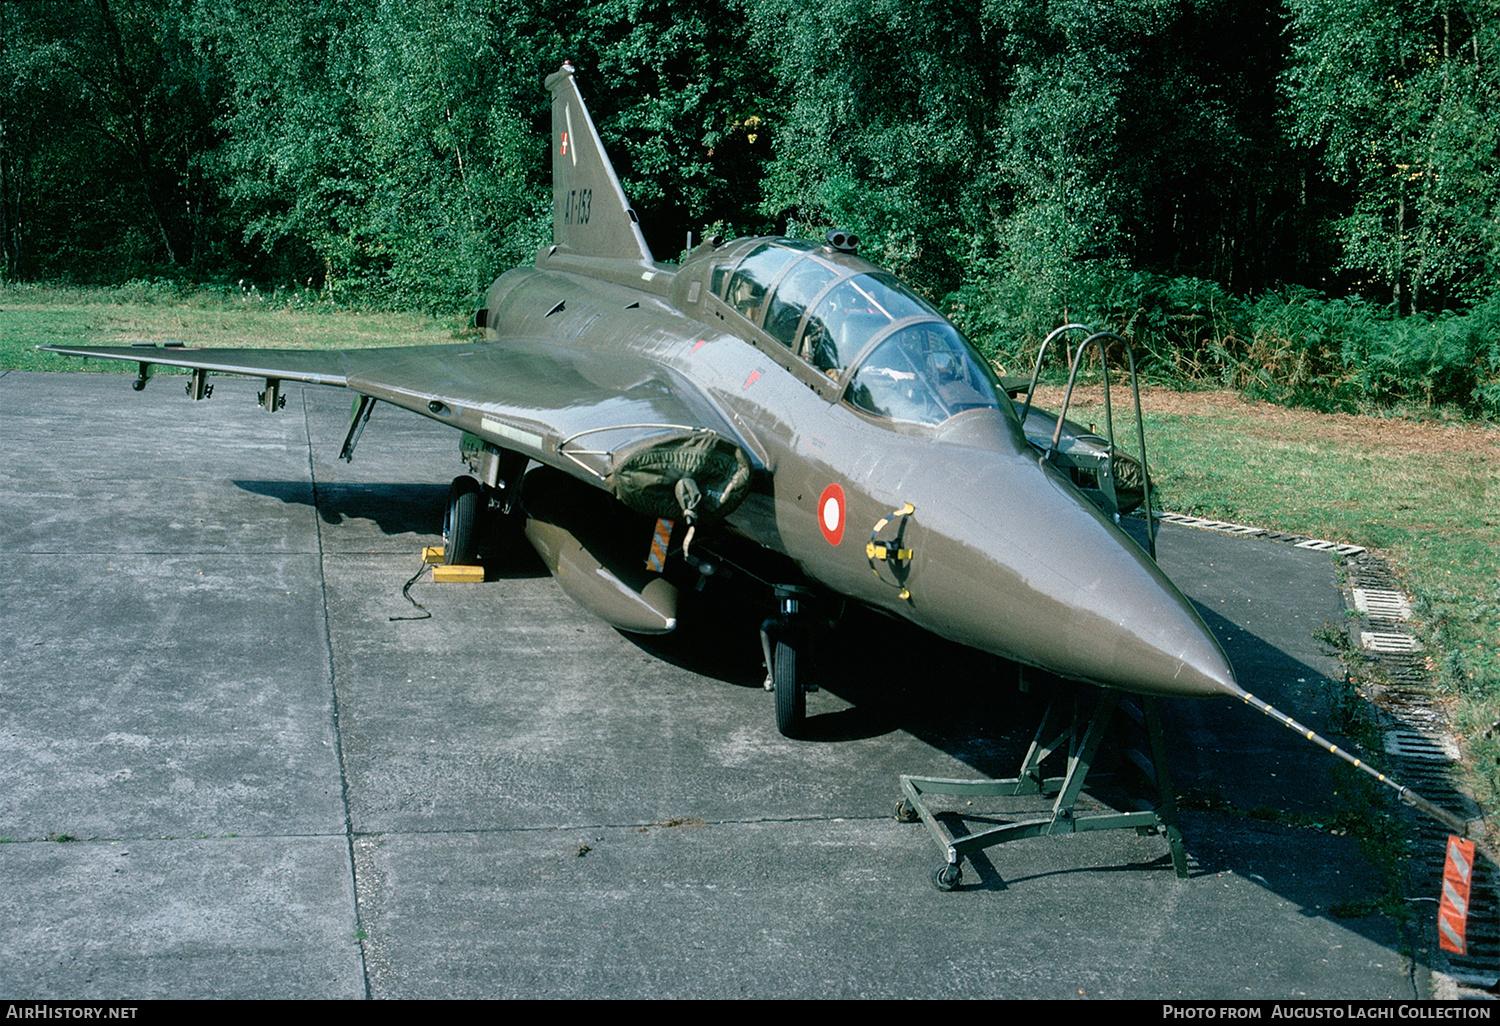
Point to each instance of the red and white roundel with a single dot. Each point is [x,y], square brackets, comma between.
[831,513]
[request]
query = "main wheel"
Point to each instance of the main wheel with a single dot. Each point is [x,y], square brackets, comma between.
[791,693]
[466,504]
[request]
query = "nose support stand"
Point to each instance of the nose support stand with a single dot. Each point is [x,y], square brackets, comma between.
[1068,724]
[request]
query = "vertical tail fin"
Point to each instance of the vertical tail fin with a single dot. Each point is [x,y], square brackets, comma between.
[590,215]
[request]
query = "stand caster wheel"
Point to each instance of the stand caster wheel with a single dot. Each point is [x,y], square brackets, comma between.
[947,877]
[905,813]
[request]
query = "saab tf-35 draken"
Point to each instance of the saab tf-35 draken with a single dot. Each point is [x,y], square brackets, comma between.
[766,395]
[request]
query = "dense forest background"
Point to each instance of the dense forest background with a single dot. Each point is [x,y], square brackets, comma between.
[1300,199]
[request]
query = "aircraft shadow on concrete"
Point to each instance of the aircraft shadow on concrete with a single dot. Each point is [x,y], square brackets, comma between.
[894,676]
[395,507]
[399,508]
[890,676]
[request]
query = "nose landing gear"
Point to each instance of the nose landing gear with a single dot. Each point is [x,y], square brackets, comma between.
[784,643]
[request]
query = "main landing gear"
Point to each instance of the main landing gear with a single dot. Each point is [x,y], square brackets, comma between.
[467,506]
[474,504]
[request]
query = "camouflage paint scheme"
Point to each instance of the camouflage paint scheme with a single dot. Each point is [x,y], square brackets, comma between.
[597,354]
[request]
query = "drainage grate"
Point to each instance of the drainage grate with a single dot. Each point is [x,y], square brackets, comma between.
[1364,572]
[1205,524]
[1226,527]
[1407,671]
[1422,753]
[1318,545]
[1381,602]
[1408,744]
[1385,641]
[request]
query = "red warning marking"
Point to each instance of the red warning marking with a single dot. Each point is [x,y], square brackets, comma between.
[698,345]
[1453,910]
[755,374]
[565,143]
[831,514]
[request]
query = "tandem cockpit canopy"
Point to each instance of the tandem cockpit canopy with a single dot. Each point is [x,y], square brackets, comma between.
[898,358]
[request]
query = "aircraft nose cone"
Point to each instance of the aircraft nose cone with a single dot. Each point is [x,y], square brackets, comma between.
[1034,572]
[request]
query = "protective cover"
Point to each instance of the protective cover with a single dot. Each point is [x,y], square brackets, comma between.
[646,475]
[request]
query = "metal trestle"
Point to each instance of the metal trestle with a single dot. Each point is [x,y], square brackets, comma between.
[1069,723]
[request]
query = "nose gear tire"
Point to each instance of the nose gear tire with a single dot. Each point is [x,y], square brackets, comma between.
[791,691]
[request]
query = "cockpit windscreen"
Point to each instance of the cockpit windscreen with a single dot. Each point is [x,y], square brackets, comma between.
[925,373]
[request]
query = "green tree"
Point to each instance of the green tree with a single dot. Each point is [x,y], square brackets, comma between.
[456,190]
[400,147]
[1403,100]
[105,110]
[1019,158]
[882,119]
[1216,190]
[292,163]
[677,92]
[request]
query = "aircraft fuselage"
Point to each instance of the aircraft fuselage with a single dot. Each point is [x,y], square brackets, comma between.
[958,526]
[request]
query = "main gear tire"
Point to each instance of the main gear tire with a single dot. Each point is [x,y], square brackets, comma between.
[462,521]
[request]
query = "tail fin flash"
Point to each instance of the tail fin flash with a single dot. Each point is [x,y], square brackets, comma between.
[590,215]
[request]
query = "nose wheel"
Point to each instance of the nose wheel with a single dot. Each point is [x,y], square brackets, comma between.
[784,643]
[787,680]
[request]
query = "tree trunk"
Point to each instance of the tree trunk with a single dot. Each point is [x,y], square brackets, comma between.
[136,127]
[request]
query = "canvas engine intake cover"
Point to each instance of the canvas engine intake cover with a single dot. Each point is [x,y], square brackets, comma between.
[645,475]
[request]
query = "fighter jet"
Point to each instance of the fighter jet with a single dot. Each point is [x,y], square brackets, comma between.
[778,408]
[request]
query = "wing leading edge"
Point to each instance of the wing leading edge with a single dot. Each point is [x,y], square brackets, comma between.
[315,367]
[619,422]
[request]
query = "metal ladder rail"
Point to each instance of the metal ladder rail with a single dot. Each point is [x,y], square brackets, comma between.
[1097,338]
